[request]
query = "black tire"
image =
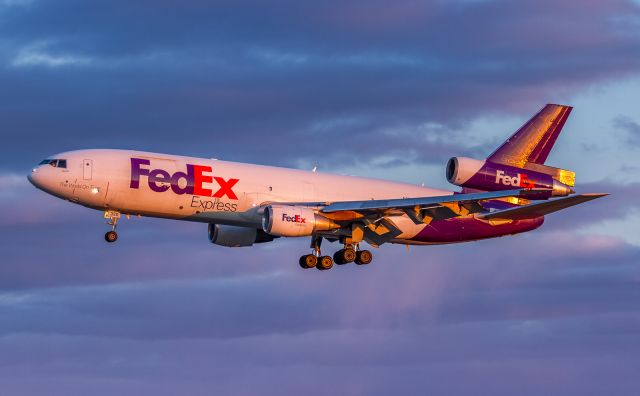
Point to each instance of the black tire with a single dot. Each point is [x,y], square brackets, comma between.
[344,256]
[348,255]
[111,236]
[301,262]
[364,257]
[308,261]
[325,263]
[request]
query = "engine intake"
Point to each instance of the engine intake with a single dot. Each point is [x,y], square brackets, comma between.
[294,221]
[490,176]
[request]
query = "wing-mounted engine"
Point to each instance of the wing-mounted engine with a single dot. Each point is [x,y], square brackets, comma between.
[233,236]
[490,176]
[294,221]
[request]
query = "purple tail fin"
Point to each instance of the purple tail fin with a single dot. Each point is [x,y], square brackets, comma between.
[532,143]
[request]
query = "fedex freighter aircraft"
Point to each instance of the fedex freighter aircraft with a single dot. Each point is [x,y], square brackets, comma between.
[508,193]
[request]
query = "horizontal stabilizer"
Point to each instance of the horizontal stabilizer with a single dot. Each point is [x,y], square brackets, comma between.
[538,209]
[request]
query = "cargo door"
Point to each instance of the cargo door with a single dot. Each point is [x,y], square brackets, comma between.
[87,169]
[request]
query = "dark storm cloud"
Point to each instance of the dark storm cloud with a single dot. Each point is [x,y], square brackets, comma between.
[195,76]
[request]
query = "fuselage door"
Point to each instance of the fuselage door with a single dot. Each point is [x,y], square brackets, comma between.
[87,169]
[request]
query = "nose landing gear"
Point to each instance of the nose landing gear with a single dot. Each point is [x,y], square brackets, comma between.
[113,216]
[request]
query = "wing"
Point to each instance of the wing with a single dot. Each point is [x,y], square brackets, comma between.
[424,202]
[538,209]
[373,220]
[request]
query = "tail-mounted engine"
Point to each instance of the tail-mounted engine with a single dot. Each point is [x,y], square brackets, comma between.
[294,221]
[490,176]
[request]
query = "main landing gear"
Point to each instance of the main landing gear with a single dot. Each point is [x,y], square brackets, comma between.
[349,254]
[316,259]
[113,216]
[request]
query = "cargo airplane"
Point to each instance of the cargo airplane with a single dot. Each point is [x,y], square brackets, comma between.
[509,192]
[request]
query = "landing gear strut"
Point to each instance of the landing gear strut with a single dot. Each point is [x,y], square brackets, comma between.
[316,259]
[113,216]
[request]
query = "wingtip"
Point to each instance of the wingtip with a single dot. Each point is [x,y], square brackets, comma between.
[595,195]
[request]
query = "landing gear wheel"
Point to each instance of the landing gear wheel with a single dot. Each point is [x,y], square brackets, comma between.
[324,263]
[308,261]
[363,257]
[344,256]
[111,236]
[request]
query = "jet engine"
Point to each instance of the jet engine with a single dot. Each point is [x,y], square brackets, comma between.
[294,221]
[234,236]
[490,176]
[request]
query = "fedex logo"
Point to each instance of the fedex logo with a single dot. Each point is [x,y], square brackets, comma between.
[194,179]
[520,180]
[293,219]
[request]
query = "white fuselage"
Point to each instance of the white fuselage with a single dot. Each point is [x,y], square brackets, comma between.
[204,190]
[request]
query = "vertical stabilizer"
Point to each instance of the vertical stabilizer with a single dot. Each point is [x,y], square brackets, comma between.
[532,143]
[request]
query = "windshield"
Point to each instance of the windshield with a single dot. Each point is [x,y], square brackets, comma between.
[56,163]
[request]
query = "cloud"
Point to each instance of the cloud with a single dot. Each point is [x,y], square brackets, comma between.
[36,55]
[631,128]
[10,3]
[351,85]
[485,311]
[216,71]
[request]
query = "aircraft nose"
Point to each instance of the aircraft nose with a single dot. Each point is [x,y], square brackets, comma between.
[34,177]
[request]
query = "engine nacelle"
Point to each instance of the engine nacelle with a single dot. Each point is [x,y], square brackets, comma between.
[294,221]
[234,236]
[490,176]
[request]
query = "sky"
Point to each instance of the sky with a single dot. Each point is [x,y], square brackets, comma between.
[363,87]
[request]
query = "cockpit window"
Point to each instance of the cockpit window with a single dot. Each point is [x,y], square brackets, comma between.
[56,163]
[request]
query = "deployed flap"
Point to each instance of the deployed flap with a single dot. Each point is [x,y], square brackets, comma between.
[382,232]
[538,209]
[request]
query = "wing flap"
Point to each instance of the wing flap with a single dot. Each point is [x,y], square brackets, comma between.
[539,209]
